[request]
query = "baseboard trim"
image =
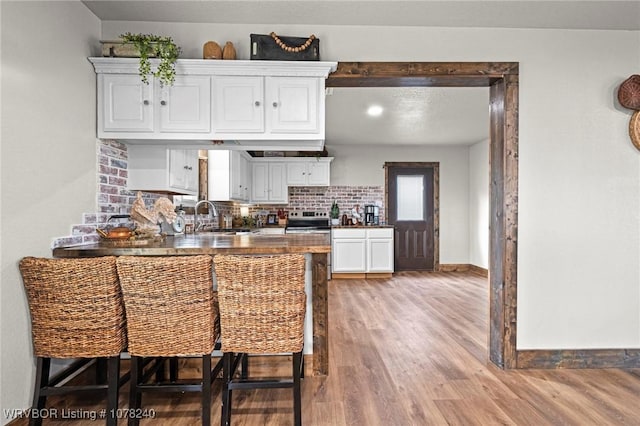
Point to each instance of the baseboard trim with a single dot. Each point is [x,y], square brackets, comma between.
[587,358]
[361,275]
[453,267]
[478,270]
[463,267]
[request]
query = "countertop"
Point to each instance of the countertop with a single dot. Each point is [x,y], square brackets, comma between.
[361,226]
[208,243]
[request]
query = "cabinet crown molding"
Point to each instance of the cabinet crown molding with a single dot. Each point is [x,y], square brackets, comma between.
[220,67]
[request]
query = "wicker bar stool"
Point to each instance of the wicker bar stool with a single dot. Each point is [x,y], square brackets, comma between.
[76,312]
[262,310]
[172,311]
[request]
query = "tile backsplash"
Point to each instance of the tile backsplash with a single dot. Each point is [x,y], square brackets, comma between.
[114,198]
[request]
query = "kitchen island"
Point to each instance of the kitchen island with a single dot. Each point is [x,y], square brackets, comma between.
[314,246]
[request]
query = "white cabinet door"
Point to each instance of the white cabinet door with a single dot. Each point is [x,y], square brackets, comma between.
[268,183]
[292,104]
[259,182]
[185,106]
[297,173]
[309,172]
[160,169]
[125,104]
[278,190]
[379,255]
[238,104]
[317,173]
[348,255]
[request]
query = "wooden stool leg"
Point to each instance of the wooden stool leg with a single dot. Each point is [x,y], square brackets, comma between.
[43,366]
[297,400]
[113,377]
[206,390]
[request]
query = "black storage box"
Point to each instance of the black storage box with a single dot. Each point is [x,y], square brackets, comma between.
[265,47]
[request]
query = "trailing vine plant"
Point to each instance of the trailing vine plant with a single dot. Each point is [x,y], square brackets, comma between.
[161,47]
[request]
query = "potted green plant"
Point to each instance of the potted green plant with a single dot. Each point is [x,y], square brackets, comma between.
[150,45]
[334,213]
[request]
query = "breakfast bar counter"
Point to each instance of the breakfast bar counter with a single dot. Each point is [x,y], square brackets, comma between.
[317,246]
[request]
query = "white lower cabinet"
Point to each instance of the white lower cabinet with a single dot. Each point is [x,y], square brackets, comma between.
[161,169]
[362,250]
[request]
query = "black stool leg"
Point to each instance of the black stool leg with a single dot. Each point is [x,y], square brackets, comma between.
[43,365]
[245,366]
[135,397]
[297,400]
[113,377]
[206,390]
[101,370]
[227,361]
[173,369]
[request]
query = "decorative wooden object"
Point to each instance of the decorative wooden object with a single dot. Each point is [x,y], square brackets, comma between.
[228,52]
[211,50]
[634,129]
[629,92]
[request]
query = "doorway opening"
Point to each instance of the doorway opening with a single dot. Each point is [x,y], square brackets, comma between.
[502,79]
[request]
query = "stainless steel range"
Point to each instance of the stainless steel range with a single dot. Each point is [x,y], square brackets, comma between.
[308,222]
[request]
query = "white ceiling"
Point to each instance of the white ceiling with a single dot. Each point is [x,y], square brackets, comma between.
[412,116]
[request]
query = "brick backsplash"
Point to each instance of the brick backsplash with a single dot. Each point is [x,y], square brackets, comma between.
[114,198]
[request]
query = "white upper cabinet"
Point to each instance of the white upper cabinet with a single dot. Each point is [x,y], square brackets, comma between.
[124,104]
[269,184]
[267,107]
[309,172]
[250,105]
[293,105]
[131,109]
[161,169]
[238,105]
[228,175]
[186,106]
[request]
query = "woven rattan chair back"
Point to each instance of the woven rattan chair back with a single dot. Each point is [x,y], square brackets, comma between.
[262,302]
[170,304]
[76,307]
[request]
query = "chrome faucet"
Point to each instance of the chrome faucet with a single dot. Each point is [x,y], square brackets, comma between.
[197,225]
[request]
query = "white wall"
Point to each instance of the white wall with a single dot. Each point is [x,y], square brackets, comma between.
[479,204]
[358,166]
[48,176]
[579,191]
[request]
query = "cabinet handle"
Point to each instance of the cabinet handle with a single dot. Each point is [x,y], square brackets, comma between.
[146,102]
[163,102]
[275,105]
[304,173]
[257,103]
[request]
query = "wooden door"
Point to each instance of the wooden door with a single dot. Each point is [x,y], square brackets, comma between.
[411,196]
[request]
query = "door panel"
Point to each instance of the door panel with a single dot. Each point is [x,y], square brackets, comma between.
[411,210]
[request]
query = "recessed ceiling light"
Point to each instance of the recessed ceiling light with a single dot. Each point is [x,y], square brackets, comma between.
[375,110]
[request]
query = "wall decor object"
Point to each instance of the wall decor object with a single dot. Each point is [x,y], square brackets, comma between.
[284,48]
[629,93]
[211,50]
[228,51]
[634,129]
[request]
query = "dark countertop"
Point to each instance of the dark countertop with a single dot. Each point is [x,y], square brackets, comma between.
[207,243]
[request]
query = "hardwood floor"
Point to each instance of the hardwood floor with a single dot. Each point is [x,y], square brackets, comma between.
[412,350]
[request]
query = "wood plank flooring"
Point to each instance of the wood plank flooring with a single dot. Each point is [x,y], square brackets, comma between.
[411,350]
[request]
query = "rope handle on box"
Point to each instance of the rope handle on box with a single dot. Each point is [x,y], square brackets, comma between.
[288,48]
